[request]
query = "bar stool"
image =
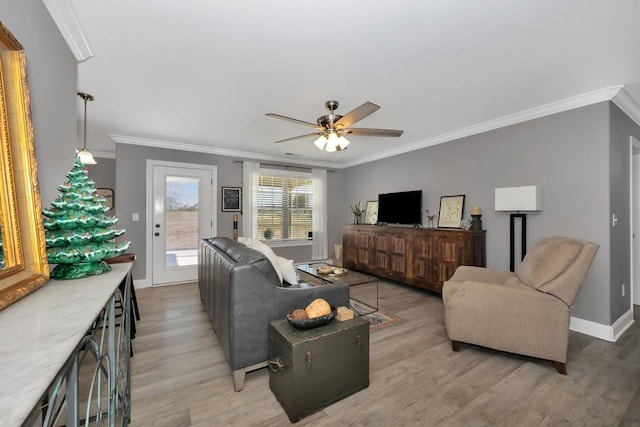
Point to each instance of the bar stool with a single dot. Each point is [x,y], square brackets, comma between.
[133,303]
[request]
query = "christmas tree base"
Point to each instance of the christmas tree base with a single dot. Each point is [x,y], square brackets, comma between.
[79,270]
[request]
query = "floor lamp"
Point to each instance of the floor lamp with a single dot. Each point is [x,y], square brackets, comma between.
[518,201]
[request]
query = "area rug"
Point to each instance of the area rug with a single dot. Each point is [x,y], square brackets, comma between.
[378,319]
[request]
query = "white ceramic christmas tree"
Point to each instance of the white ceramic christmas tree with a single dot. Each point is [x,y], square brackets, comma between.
[79,233]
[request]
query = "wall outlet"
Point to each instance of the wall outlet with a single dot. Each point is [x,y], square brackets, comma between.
[135,217]
[624,285]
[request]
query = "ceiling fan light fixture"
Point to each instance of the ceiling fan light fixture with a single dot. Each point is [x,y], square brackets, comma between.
[343,142]
[333,142]
[320,142]
[333,127]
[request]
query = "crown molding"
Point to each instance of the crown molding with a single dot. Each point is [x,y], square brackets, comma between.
[605,94]
[627,104]
[616,94]
[65,17]
[103,154]
[171,145]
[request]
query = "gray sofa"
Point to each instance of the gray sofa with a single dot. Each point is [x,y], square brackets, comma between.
[243,294]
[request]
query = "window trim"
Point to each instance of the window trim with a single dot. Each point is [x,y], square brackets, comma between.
[283,173]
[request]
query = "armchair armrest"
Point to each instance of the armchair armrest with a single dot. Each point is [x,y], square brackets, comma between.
[480,274]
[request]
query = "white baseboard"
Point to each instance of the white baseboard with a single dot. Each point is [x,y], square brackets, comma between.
[598,330]
[141,283]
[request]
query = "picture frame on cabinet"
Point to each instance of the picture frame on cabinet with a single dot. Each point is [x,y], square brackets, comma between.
[451,208]
[371,213]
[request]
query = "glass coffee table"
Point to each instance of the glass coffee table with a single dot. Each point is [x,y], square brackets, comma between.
[350,277]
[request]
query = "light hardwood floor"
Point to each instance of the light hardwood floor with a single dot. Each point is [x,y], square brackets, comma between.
[179,375]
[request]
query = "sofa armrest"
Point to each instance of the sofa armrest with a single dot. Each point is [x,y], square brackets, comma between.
[336,294]
[254,303]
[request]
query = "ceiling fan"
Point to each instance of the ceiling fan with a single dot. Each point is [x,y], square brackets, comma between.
[332,128]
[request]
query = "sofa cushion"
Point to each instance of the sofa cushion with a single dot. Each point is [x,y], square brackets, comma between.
[242,254]
[547,260]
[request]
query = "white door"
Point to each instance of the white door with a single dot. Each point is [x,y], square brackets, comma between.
[183,204]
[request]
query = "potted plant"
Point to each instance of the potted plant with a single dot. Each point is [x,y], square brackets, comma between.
[357,212]
[268,233]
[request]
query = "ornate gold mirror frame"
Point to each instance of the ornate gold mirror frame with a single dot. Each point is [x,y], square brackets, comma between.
[23,267]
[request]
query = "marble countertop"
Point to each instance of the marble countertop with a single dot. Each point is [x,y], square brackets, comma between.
[39,332]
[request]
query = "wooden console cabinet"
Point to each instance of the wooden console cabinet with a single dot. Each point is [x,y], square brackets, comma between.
[422,257]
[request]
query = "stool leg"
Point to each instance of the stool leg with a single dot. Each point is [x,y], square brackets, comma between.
[135,301]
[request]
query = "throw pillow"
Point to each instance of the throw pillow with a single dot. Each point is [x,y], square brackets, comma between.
[289,271]
[265,250]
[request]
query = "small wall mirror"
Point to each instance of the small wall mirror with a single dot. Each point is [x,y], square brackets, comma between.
[23,260]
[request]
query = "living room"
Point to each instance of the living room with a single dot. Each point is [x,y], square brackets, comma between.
[577,149]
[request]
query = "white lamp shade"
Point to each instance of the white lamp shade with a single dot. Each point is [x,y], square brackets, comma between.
[343,142]
[523,198]
[332,143]
[320,142]
[86,158]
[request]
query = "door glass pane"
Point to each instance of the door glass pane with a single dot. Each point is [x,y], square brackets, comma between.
[181,221]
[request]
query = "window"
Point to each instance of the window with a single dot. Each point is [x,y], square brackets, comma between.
[285,204]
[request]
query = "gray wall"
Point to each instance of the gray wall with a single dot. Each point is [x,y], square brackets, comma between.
[566,153]
[130,192]
[130,196]
[580,158]
[622,127]
[52,76]
[103,173]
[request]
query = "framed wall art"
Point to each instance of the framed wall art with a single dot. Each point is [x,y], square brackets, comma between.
[451,208]
[231,199]
[371,214]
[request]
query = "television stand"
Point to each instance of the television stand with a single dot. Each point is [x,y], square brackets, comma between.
[421,257]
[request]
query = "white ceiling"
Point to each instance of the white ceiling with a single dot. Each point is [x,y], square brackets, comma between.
[205,72]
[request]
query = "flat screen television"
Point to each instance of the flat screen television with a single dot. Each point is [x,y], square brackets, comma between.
[400,208]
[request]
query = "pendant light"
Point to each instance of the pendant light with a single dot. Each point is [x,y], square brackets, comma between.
[84,155]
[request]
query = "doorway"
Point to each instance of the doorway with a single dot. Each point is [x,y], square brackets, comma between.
[180,213]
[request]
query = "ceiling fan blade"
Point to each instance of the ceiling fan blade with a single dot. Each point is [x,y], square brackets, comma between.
[290,119]
[298,137]
[373,132]
[357,114]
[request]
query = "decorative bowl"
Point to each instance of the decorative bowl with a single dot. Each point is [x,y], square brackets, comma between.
[339,271]
[312,323]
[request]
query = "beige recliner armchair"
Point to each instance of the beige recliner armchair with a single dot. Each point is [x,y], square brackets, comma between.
[526,312]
